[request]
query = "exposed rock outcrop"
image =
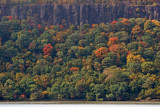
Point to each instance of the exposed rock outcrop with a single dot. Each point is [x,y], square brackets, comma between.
[79,14]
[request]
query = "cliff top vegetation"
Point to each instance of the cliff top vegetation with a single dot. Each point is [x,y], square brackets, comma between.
[131,2]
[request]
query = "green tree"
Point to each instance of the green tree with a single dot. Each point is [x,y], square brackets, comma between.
[148,25]
[55,91]
[90,96]
[64,90]
[23,40]
[118,92]
[10,52]
[122,36]
[134,67]
[99,39]
[9,89]
[99,91]
[81,89]
[110,60]
[157,64]
[148,67]
[15,26]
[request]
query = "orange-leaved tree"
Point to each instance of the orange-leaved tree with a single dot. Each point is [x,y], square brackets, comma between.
[126,22]
[47,49]
[136,31]
[101,51]
[113,40]
[94,25]
[74,69]
[113,23]
[39,26]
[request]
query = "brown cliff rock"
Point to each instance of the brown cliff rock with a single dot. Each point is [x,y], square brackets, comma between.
[79,14]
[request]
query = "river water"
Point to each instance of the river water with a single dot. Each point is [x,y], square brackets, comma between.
[80,104]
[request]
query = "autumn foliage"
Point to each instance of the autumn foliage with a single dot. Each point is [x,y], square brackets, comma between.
[61,26]
[156,22]
[39,26]
[113,61]
[47,49]
[137,30]
[74,69]
[100,52]
[134,58]
[114,48]
[125,22]
[22,96]
[113,40]
[113,23]
[94,25]
[10,17]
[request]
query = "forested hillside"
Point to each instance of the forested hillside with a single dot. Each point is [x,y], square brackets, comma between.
[115,61]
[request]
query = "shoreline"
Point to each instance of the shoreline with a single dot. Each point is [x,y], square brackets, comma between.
[83,102]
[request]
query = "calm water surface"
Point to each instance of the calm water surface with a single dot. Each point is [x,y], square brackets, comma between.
[79,104]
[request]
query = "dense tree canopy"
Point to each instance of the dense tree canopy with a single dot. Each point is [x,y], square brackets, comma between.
[90,62]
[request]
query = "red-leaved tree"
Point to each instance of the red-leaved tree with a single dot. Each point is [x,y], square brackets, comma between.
[61,26]
[114,48]
[10,17]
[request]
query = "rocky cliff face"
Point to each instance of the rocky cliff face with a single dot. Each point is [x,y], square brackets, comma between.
[79,14]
